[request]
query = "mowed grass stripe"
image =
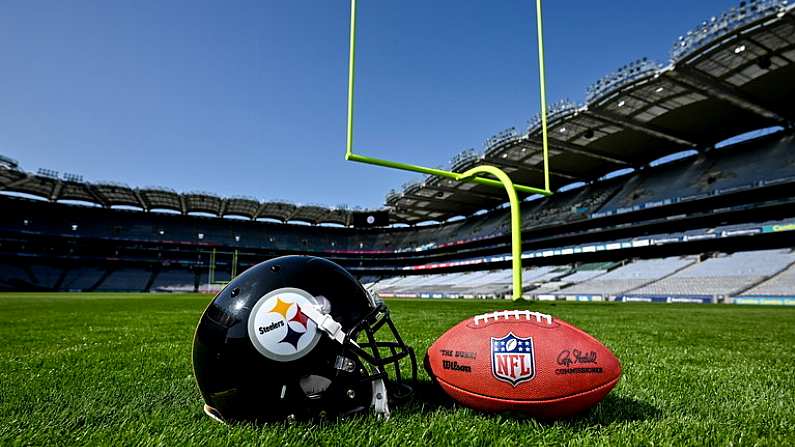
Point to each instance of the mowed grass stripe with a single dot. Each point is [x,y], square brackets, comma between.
[100,369]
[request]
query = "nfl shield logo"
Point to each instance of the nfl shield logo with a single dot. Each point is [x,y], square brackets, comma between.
[513,359]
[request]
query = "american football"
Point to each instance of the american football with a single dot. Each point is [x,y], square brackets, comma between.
[523,361]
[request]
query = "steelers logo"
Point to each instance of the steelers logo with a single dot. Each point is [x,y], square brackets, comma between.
[279,329]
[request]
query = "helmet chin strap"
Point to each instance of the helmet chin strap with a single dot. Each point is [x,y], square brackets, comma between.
[379,403]
[326,323]
[213,413]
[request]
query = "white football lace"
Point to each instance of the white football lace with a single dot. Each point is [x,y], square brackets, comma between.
[515,314]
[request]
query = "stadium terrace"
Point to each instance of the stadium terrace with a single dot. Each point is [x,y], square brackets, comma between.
[679,165]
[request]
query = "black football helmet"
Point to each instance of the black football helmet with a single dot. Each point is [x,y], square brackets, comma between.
[295,338]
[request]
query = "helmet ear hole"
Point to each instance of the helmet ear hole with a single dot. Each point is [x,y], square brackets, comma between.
[313,385]
[324,305]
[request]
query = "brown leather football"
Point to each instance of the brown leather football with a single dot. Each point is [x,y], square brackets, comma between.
[522,361]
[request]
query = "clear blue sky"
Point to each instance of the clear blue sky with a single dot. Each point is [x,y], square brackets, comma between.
[248,97]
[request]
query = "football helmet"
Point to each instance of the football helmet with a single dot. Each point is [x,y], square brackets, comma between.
[297,337]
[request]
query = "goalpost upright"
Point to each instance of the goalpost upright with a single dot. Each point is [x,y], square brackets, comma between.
[211,271]
[476,174]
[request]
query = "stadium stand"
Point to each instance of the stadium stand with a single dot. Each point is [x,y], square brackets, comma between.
[665,184]
[587,272]
[540,275]
[722,82]
[616,198]
[568,206]
[743,165]
[574,276]
[82,278]
[445,285]
[14,277]
[630,276]
[174,281]
[466,284]
[722,275]
[45,276]
[124,279]
[782,284]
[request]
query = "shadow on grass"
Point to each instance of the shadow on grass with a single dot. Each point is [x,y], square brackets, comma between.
[427,398]
[613,409]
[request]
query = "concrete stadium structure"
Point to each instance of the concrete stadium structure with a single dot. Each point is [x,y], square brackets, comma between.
[655,172]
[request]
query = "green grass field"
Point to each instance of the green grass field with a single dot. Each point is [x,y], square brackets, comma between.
[115,369]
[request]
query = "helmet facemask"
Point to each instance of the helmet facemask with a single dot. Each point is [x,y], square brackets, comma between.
[378,356]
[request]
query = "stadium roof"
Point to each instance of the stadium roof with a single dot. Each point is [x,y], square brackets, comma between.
[731,75]
[54,188]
